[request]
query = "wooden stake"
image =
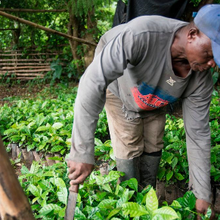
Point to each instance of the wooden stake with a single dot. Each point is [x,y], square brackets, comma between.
[13,203]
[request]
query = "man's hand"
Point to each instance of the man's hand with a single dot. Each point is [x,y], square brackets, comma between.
[78,171]
[202,206]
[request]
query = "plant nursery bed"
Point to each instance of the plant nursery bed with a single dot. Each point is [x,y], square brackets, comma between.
[164,192]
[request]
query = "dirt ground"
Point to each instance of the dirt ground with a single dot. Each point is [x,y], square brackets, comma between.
[8,91]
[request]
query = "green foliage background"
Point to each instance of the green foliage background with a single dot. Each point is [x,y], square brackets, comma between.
[104,14]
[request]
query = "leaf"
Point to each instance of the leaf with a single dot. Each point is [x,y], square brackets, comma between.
[15,138]
[140,198]
[134,209]
[175,204]
[100,196]
[213,158]
[39,119]
[123,198]
[111,154]
[169,175]
[31,124]
[49,208]
[113,175]
[133,184]
[63,195]
[179,176]
[180,216]
[209,212]
[188,200]
[113,212]
[215,77]
[24,170]
[161,173]
[43,128]
[130,194]
[34,167]
[48,173]
[107,188]
[57,125]
[56,148]
[26,130]
[169,159]
[58,71]
[35,207]
[55,158]
[167,213]
[62,213]
[41,146]
[107,204]
[99,180]
[93,212]
[34,190]
[10,131]
[98,142]
[174,162]
[60,183]
[157,217]
[151,201]
[44,104]
[79,215]
[30,147]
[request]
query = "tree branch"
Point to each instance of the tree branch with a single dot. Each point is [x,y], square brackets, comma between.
[4,14]
[31,10]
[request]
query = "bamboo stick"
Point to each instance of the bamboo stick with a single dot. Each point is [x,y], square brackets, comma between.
[33,48]
[29,54]
[24,67]
[27,60]
[25,71]
[23,74]
[30,64]
[25,78]
[30,74]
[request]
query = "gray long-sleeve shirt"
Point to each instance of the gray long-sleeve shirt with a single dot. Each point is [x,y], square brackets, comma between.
[134,61]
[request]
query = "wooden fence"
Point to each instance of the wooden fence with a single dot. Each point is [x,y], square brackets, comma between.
[27,64]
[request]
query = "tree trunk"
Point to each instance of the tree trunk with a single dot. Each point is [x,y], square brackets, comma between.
[16,34]
[73,31]
[13,203]
[91,24]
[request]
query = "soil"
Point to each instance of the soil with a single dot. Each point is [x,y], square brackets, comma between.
[24,90]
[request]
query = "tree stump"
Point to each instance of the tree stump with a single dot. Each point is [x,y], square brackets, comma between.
[13,203]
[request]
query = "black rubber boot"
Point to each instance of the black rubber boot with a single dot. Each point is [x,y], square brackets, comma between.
[129,167]
[149,164]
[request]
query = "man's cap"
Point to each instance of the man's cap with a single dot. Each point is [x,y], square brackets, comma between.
[208,21]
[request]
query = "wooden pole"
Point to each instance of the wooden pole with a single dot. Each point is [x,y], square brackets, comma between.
[32,10]
[4,14]
[13,202]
